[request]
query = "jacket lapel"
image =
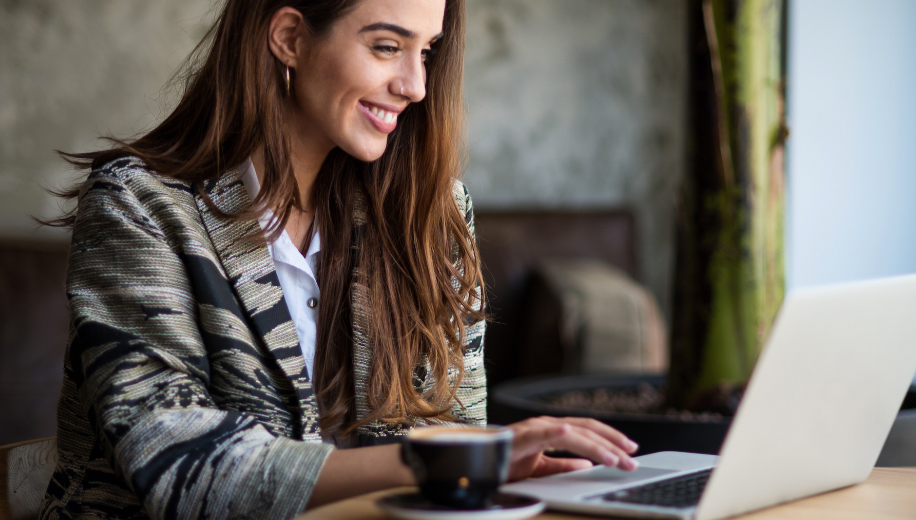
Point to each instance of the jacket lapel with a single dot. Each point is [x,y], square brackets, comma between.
[250,271]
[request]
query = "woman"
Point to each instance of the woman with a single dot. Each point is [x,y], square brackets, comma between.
[211,372]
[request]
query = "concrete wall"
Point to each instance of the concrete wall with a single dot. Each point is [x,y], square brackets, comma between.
[573,103]
[581,104]
[69,71]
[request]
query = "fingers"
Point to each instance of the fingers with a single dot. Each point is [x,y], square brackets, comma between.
[586,437]
[589,444]
[605,431]
[619,455]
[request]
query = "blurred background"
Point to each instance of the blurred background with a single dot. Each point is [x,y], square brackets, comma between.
[582,130]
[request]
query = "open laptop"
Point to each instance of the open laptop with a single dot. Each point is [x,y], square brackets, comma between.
[814,417]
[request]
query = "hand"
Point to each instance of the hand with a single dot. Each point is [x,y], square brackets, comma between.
[593,440]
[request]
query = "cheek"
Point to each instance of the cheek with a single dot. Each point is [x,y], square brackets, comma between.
[344,97]
[352,75]
[331,92]
[326,87]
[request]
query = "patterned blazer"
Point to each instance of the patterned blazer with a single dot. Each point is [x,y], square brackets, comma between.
[185,394]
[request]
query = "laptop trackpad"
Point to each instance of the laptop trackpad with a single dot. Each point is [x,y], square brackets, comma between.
[583,483]
[613,476]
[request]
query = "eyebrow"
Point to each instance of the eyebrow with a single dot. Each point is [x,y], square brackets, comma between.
[397,29]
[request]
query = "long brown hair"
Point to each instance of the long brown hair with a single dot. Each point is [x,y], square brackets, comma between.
[416,259]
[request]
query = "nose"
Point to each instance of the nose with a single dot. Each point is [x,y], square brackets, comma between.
[411,80]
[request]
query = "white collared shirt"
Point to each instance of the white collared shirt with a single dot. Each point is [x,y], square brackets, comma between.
[296,272]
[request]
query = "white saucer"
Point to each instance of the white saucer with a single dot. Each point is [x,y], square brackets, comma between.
[505,506]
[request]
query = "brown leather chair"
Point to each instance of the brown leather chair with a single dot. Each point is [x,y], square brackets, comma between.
[514,242]
[25,470]
[33,336]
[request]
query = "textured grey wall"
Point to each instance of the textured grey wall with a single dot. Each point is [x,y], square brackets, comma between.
[71,70]
[581,104]
[573,103]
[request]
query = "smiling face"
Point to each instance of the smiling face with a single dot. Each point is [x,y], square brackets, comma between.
[352,82]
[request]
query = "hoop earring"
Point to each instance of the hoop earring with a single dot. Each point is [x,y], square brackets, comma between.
[287,80]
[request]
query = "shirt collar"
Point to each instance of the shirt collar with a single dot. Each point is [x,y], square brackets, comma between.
[253,187]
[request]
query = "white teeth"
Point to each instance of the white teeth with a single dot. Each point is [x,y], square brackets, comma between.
[388,117]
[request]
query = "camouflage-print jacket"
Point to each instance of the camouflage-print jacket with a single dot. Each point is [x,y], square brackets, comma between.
[185,394]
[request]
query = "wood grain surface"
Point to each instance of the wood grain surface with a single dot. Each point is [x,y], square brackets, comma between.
[25,470]
[888,494]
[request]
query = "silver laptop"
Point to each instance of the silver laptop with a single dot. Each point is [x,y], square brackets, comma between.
[816,412]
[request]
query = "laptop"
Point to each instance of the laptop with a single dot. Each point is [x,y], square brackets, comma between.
[814,417]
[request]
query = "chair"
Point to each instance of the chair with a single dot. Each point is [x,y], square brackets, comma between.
[513,243]
[33,336]
[25,471]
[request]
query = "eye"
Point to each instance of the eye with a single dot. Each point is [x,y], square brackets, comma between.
[428,53]
[386,50]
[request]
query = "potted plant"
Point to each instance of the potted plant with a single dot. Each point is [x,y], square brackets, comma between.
[729,262]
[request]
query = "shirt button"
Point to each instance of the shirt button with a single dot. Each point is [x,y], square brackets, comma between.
[312,303]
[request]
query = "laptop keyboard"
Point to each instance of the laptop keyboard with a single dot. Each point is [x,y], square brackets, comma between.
[681,491]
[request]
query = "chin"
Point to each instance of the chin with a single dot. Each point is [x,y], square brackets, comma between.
[367,152]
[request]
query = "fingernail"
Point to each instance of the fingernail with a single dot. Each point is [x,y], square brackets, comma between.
[632,446]
[630,464]
[610,459]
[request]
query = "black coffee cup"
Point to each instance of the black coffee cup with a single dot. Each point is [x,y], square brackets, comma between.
[458,468]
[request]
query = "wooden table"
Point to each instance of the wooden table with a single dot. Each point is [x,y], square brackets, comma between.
[888,494]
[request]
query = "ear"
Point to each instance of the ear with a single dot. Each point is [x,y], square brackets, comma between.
[286,27]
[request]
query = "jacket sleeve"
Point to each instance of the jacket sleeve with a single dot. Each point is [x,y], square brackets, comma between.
[143,374]
[471,405]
